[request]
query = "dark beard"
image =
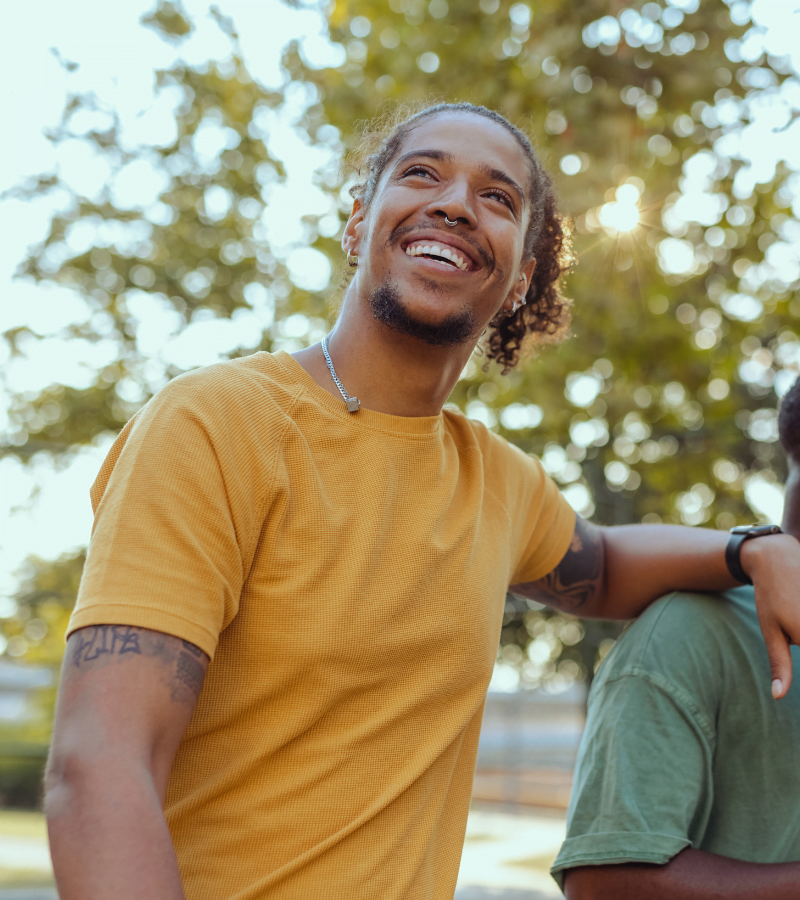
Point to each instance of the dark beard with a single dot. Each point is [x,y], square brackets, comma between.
[388,308]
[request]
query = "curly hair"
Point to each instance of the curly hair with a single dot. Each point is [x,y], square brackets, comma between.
[789,421]
[545,317]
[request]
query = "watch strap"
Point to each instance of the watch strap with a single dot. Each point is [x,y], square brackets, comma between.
[733,549]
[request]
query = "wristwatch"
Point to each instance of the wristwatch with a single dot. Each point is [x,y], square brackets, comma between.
[739,535]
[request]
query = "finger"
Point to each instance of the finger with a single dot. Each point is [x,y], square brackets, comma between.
[780,658]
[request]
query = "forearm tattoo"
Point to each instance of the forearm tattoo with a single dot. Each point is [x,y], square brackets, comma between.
[183,665]
[577,582]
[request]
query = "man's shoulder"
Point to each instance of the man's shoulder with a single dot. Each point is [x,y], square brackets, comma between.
[498,453]
[251,387]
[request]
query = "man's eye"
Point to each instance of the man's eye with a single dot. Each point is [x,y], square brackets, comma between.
[418,170]
[503,198]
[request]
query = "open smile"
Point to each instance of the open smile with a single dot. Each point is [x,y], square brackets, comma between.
[449,254]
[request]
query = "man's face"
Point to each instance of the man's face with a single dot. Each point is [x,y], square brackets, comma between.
[473,171]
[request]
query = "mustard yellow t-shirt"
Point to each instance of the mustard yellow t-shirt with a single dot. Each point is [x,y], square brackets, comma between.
[346,573]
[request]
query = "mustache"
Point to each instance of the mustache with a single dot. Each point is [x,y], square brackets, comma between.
[399,233]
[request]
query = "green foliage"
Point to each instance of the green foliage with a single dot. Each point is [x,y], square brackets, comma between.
[646,413]
[44,601]
[169,20]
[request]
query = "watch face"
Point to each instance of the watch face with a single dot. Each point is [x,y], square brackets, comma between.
[743,529]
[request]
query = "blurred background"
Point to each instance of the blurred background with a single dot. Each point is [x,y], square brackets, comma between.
[172,191]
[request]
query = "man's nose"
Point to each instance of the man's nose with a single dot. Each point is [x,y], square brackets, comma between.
[454,204]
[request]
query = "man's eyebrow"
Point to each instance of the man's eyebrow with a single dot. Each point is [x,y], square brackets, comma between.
[499,175]
[438,155]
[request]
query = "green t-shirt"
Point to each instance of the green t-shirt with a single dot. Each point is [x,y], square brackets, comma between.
[684,744]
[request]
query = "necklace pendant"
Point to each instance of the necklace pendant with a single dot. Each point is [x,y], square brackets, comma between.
[352,404]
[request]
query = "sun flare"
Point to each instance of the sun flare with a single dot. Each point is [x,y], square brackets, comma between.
[622,213]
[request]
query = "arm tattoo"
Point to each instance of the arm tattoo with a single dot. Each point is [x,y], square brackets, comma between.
[190,671]
[578,580]
[93,642]
[183,665]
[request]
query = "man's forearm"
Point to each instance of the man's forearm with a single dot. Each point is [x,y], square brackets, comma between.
[691,875]
[643,562]
[108,836]
[614,573]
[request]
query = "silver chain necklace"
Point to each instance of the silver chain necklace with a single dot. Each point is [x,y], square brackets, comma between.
[351,403]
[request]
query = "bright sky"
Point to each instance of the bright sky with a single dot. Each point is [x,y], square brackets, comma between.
[117,59]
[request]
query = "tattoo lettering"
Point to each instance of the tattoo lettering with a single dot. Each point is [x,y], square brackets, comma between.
[93,642]
[577,579]
[182,665]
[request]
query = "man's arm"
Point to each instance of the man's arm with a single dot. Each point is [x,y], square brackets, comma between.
[125,700]
[614,573]
[691,875]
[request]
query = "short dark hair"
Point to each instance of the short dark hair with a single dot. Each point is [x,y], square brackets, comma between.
[789,421]
[545,317]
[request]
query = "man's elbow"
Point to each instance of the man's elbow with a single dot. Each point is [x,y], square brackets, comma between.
[77,775]
[68,774]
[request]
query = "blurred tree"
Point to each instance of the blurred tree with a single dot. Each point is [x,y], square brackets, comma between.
[44,601]
[662,405]
[35,633]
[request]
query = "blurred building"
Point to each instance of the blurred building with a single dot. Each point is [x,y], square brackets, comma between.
[23,744]
[18,685]
[529,742]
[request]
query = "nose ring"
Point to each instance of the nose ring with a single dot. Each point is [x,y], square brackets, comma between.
[448,222]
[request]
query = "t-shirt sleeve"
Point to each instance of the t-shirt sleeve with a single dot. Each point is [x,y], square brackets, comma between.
[175,519]
[643,779]
[548,522]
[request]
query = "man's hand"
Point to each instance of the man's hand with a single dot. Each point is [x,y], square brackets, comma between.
[125,700]
[773,563]
[615,573]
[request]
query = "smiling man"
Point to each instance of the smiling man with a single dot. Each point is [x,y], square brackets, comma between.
[277,665]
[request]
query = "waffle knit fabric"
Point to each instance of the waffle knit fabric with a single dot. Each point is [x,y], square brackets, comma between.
[347,575]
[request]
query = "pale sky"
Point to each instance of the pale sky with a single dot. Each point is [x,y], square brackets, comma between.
[117,60]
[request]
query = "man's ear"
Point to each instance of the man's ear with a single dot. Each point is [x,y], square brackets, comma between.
[526,271]
[352,231]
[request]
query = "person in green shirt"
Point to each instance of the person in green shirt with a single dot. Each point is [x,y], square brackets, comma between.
[687,784]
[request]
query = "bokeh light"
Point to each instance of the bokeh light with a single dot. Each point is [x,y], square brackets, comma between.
[622,213]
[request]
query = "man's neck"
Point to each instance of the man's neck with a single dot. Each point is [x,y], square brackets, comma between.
[388,371]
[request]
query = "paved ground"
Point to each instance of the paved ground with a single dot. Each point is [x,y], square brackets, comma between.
[41,894]
[508,854]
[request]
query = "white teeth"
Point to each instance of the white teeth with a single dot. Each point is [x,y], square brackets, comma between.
[435,250]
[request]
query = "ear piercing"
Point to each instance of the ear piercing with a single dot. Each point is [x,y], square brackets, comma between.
[352,259]
[518,303]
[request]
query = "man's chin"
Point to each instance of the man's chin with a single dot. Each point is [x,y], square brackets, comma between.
[389,309]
